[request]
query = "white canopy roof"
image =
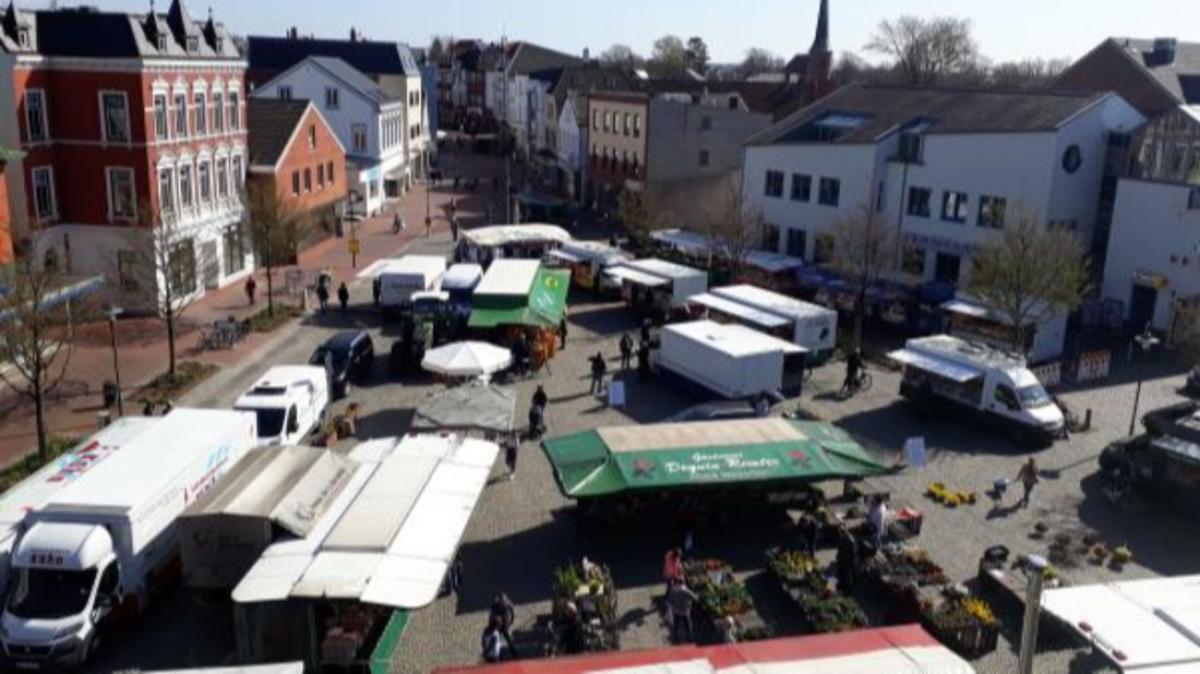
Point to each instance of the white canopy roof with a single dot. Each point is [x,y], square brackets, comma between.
[943,368]
[772,302]
[467,359]
[739,310]
[509,278]
[636,277]
[500,235]
[663,268]
[390,536]
[735,340]
[1154,625]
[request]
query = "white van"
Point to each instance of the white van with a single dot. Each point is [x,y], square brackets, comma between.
[994,386]
[290,402]
[399,279]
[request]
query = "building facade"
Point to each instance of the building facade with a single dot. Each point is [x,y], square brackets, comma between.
[948,168]
[134,139]
[367,120]
[295,154]
[1154,76]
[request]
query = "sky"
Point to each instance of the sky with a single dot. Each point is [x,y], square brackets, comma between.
[1004,29]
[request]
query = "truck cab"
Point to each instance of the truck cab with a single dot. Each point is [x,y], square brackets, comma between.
[290,403]
[1017,396]
[65,582]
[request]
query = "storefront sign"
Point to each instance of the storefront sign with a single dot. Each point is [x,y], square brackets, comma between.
[940,245]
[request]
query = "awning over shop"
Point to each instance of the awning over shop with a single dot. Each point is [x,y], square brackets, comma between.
[1143,626]
[889,650]
[942,368]
[474,407]
[636,277]
[607,461]
[569,258]
[543,306]
[740,311]
[773,263]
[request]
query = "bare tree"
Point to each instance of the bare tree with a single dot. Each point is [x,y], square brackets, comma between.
[759,61]
[1028,74]
[621,55]
[648,211]
[926,51]
[864,248]
[275,228]
[1029,274]
[735,231]
[850,68]
[668,59]
[166,272]
[36,338]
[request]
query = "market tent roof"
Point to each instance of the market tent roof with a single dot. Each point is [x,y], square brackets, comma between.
[566,256]
[473,407]
[544,305]
[636,277]
[943,368]
[771,302]
[1153,624]
[607,461]
[500,235]
[738,310]
[506,279]
[772,263]
[390,535]
[663,268]
[683,240]
[889,650]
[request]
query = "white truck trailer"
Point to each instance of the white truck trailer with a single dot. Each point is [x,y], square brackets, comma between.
[731,360]
[91,552]
[807,325]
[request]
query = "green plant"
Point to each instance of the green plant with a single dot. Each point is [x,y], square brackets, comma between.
[834,614]
[566,580]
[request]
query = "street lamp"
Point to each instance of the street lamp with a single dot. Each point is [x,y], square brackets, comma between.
[113,313]
[1145,342]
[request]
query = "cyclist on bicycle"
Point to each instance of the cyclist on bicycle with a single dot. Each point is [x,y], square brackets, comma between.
[854,368]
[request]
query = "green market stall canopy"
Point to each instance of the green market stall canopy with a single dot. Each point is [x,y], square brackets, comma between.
[607,461]
[539,301]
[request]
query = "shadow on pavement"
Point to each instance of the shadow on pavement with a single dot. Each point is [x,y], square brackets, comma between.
[384,423]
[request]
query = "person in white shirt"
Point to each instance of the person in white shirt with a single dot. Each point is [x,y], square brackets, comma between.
[878,518]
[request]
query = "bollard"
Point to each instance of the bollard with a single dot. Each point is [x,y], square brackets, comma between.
[103,419]
[1087,420]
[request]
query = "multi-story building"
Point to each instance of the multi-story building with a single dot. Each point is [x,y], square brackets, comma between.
[126,121]
[368,121]
[1155,76]
[517,98]
[390,65]
[949,168]
[298,157]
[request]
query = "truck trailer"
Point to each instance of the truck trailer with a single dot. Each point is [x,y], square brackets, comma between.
[732,360]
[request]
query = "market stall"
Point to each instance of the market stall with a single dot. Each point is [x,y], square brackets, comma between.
[969,318]
[894,650]
[587,261]
[724,603]
[808,325]
[657,288]
[584,609]
[520,297]
[803,580]
[475,407]
[339,597]
[770,270]
[483,245]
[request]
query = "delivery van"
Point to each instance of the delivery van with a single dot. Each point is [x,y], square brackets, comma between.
[290,403]
[399,279]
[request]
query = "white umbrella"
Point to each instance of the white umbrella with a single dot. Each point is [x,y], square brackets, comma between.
[467,359]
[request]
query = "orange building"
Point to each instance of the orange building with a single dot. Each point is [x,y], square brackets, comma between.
[292,147]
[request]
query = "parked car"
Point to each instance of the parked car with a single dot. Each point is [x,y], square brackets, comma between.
[347,357]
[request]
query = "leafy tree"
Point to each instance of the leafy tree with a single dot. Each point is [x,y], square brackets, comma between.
[275,228]
[668,59]
[696,54]
[1029,274]
[621,55]
[926,51]
[864,248]
[758,61]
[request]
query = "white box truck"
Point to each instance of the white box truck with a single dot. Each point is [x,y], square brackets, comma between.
[731,360]
[977,381]
[398,279]
[290,403]
[91,552]
[811,326]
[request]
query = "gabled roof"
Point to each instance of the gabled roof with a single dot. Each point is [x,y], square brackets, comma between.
[591,76]
[346,74]
[526,58]
[1179,76]
[778,99]
[373,58]
[271,123]
[866,112]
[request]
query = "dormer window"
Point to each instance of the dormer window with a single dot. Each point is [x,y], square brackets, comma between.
[23,37]
[162,43]
[219,46]
[193,45]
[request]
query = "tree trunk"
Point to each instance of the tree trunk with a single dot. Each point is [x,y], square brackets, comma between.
[39,413]
[170,342]
[270,291]
[860,308]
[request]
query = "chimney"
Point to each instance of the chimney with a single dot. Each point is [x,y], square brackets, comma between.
[1164,50]
[353,34]
[587,54]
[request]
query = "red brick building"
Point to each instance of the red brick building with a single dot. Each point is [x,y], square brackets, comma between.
[293,149]
[126,120]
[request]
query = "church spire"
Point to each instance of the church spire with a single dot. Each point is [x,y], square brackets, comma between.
[821,43]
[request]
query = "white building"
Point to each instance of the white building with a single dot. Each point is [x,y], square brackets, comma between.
[1153,262]
[949,168]
[369,122]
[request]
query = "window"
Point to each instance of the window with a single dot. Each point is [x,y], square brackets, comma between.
[770,237]
[235,249]
[121,201]
[222,170]
[312,136]
[918,201]
[35,115]
[595,120]
[912,147]
[627,127]
[43,193]
[831,191]
[181,268]
[706,123]
[115,109]
[954,206]
[295,183]
[235,117]
[774,186]
[218,118]
[160,116]
[359,134]
[331,98]
[23,37]
[1072,159]
[1006,396]
[193,45]
[637,126]
[797,242]
[187,190]
[704,157]
[946,268]
[307,180]
[991,211]
[320,176]
[181,116]
[801,187]
[285,93]
[204,180]
[127,264]
[912,261]
[329,172]
[201,121]
[166,190]
[239,176]
[608,120]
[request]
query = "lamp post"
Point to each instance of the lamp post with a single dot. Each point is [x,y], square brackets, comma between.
[1144,342]
[112,313]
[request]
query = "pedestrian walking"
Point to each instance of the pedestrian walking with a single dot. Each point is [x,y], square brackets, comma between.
[251,288]
[503,609]
[599,368]
[540,399]
[680,601]
[493,644]
[1028,476]
[376,290]
[511,445]
[323,296]
[398,224]
[626,350]
[537,422]
[562,332]
[343,295]
[454,229]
